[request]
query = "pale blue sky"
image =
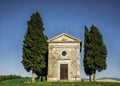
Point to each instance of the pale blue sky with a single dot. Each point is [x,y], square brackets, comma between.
[68,16]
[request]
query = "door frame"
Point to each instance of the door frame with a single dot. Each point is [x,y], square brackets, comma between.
[64,62]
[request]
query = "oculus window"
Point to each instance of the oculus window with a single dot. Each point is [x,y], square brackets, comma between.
[64,53]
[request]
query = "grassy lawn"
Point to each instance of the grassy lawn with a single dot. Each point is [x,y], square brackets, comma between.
[22,82]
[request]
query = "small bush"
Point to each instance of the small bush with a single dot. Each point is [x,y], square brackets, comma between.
[6,77]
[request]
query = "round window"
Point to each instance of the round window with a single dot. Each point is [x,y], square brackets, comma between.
[64,53]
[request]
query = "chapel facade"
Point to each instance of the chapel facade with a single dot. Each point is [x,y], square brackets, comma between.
[64,58]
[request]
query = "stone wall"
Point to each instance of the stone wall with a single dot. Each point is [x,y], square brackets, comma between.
[72,58]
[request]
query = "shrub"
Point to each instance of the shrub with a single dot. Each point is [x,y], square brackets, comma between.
[6,77]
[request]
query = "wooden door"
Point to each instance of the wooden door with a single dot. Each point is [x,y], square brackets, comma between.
[63,71]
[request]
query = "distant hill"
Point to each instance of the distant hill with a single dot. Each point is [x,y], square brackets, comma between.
[105,79]
[112,78]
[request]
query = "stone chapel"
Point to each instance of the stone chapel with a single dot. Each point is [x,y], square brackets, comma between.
[64,58]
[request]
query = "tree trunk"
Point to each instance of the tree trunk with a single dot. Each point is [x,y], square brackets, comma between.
[94,76]
[90,78]
[33,76]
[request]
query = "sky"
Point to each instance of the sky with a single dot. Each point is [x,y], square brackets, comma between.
[59,16]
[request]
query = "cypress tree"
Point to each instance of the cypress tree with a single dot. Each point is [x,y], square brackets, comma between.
[35,46]
[88,60]
[99,50]
[95,52]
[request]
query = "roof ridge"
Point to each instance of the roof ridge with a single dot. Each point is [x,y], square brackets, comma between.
[63,34]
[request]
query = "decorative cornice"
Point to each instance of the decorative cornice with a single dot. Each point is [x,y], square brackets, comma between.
[64,40]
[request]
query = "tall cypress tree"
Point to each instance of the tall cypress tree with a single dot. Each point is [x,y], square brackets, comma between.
[99,50]
[95,52]
[88,60]
[35,46]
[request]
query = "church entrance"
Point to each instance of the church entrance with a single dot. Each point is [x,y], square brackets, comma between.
[63,71]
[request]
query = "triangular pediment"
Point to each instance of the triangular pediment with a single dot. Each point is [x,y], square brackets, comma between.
[64,38]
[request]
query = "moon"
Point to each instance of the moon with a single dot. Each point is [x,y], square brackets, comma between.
[58,21]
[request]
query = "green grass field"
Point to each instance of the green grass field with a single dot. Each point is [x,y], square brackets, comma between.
[24,82]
